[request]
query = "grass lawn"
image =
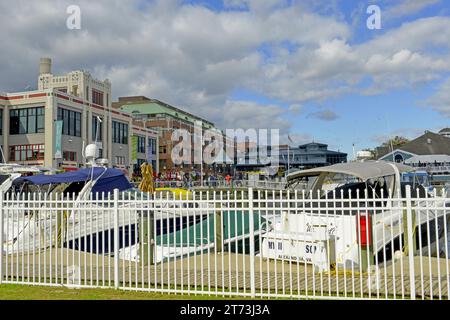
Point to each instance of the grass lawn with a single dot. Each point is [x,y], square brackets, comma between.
[22,292]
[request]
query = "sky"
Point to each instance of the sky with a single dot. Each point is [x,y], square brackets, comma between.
[312,69]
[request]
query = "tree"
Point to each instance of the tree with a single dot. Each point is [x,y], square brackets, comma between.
[396,142]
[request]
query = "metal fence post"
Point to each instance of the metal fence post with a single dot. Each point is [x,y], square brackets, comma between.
[116,238]
[252,242]
[1,237]
[409,218]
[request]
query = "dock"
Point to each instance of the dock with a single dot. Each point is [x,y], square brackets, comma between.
[229,273]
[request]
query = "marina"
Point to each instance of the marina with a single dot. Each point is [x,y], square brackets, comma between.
[225,149]
[323,242]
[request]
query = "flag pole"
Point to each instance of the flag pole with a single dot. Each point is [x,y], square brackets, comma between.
[288,159]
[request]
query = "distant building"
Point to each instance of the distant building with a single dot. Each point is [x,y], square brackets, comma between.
[165,119]
[310,155]
[364,155]
[445,132]
[429,152]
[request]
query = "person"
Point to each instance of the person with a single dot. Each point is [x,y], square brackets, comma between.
[228,179]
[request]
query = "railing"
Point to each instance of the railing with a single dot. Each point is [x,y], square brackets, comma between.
[263,184]
[247,243]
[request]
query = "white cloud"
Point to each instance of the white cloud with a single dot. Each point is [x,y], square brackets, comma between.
[440,101]
[245,114]
[296,108]
[325,115]
[195,58]
[409,7]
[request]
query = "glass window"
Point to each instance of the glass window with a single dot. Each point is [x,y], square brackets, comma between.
[141,144]
[120,132]
[71,122]
[30,152]
[26,121]
[1,121]
[31,125]
[40,121]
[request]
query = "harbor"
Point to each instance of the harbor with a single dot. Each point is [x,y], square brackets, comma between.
[317,243]
[233,149]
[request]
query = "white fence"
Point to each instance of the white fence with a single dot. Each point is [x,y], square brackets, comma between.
[244,243]
[262,184]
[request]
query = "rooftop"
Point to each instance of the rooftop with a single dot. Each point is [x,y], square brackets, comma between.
[144,106]
[429,143]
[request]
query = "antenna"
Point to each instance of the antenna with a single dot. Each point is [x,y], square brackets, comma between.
[83,154]
[3,155]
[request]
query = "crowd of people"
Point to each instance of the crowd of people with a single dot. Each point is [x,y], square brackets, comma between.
[193,178]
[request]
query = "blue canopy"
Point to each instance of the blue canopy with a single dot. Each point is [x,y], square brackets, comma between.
[108,179]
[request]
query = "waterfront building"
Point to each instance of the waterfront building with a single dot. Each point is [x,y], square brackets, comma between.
[430,152]
[83,104]
[165,119]
[310,155]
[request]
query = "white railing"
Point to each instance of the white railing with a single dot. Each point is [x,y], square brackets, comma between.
[263,184]
[255,243]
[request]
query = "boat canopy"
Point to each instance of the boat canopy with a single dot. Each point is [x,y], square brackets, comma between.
[107,179]
[362,170]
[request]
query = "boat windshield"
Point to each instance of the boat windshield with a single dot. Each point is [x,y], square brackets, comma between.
[133,194]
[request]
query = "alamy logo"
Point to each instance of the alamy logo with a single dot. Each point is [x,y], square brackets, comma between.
[374,20]
[73,22]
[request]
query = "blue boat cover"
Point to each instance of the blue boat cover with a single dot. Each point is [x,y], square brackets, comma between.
[108,179]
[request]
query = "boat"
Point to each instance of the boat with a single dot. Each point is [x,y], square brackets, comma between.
[328,226]
[88,220]
[203,237]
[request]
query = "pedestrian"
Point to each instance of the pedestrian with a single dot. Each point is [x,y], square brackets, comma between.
[228,179]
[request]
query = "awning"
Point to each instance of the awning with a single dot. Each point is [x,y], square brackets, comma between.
[107,179]
[362,170]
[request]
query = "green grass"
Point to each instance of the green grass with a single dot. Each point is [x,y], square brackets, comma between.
[22,292]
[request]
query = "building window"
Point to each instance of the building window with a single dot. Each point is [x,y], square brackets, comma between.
[137,166]
[399,158]
[97,97]
[71,122]
[97,129]
[140,144]
[1,121]
[69,156]
[120,160]
[120,132]
[26,121]
[152,145]
[29,152]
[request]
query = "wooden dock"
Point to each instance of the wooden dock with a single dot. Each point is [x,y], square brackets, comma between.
[230,273]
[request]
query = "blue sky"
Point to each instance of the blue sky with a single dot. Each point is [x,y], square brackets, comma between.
[364,120]
[309,68]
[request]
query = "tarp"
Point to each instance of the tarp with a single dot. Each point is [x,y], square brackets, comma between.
[235,224]
[108,179]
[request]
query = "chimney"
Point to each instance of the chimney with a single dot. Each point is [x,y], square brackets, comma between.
[45,66]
